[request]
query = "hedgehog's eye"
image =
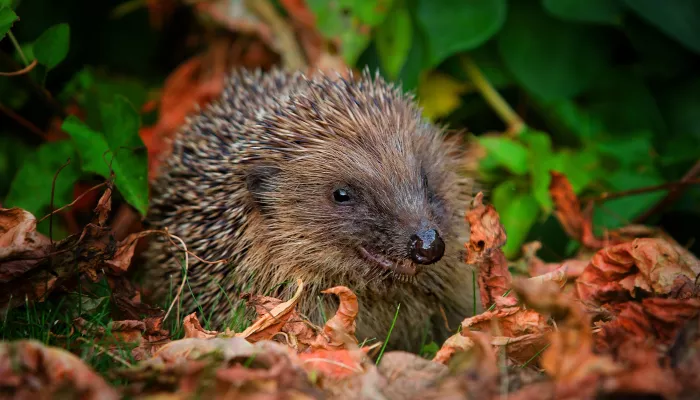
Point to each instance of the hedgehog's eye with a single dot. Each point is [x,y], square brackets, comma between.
[341,196]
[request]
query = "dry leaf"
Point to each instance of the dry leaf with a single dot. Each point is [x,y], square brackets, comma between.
[646,265]
[270,323]
[29,370]
[193,329]
[21,246]
[339,331]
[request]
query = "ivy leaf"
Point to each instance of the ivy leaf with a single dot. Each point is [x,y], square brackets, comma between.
[120,144]
[596,11]
[52,46]
[679,19]
[457,25]
[394,40]
[518,212]
[552,59]
[7,18]
[31,186]
[509,153]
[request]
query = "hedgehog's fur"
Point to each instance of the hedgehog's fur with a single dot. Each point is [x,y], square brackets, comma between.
[250,180]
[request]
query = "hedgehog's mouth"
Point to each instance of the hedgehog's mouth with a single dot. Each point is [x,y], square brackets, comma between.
[405,267]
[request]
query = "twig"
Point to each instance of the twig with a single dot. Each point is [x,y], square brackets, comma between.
[184,278]
[22,121]
[77,199]
[53,189]
[512,120]
[666,186]
[41,92]
[673,195]
[21,71]
[287,45]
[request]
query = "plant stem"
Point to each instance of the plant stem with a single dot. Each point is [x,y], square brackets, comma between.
[391,328]
[17,47]
[512,120]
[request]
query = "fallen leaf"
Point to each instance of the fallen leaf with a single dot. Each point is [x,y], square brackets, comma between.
[339,331]
[270,323]
[619,272]
[193,329]
[22,248]
[334,364]
[407,374]
[484,251]
[30,370]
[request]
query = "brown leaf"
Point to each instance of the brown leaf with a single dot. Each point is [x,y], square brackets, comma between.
[484,251]
[475,373]
[125,251]
[645,265]
[656,320]
[21,246]
[270,323]
[567,269]
[29,370]
[334,364]
[103,208]
[193,329]
[407,374]
[339,331]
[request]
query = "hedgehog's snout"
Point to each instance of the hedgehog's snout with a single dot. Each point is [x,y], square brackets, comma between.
[426,247]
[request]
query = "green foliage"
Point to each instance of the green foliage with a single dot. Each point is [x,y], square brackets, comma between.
[456,25]
[7,18]
[554,60]
[599,11]
[31,187]
[52,46]
[350,21]
[679,19]
[118,146]
[394,39]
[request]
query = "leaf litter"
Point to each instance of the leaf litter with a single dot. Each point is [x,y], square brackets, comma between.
[621,318]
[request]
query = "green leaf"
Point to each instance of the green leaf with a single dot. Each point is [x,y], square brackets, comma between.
[7,18]
[552,59]
[507,152]
[394,40]
[596,11]
[120,144]
[350,21]
[91,145]
[31,187]
[457,25]
[52,46]
[679,19]
[518,212]
[540,160]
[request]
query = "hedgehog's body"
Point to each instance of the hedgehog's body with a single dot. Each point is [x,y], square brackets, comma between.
[332,182]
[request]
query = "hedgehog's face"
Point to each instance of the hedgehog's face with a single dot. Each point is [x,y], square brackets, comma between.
[382,207]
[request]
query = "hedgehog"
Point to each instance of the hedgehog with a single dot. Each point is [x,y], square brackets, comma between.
[324,179]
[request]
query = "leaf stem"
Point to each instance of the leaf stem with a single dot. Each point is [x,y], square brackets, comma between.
[512,120]
[17,47]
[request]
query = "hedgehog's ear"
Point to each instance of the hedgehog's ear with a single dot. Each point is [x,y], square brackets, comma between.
[260,182]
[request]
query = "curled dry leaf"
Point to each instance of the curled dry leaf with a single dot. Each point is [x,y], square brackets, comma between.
[567,269]
[335,364]
[339,331]
[567,209]
[271,322]
[103,208]
[21,246]
[647,265]
[484,252]
[29,370]
[193,329]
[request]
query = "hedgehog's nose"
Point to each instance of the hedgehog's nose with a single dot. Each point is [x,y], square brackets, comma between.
[427,247]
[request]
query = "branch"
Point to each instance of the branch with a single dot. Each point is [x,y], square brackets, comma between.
[675,193]
[287,45]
